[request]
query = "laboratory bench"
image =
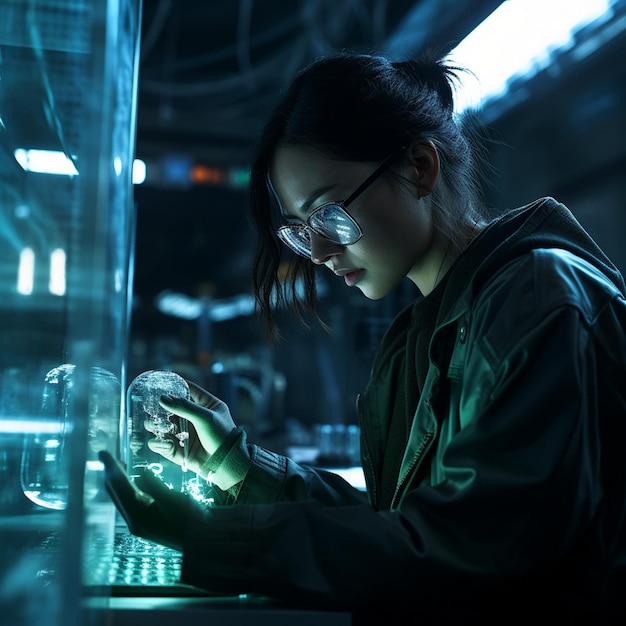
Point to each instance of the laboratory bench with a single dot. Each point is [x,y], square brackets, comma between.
[199,611]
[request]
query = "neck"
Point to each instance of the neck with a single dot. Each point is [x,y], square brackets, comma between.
[443,254]
[443,267]
[428,274]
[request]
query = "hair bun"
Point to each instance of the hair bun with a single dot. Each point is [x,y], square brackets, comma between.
[435,75]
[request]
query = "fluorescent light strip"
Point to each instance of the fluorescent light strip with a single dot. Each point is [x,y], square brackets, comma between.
[26,272]
[45,162]
[58,163]
[33,426]
[56,285]
[517,39]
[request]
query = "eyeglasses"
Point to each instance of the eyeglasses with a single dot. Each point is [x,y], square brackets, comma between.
[330,220]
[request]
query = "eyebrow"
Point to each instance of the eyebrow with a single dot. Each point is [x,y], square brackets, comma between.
[314,197]
[306,205]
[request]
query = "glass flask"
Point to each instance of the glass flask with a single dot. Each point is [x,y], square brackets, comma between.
[44,470]
[147,419]
[44,465]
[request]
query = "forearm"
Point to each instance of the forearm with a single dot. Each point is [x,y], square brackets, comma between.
[272,477]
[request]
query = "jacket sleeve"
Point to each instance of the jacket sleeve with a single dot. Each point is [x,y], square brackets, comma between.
[273,477]
[520,483]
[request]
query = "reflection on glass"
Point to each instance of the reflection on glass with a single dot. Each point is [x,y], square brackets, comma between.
[144,393]
[43,471]
[147,419]
[44,465]
[104,410]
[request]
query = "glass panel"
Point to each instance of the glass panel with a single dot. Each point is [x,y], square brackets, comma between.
[67,103]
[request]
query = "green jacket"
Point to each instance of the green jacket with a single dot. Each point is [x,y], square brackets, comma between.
[508,496]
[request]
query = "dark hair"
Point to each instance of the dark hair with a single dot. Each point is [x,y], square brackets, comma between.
[359,107]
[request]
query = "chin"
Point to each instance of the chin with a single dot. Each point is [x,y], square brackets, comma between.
[379,289]
[373,293]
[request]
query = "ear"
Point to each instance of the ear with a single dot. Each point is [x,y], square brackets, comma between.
[423,156]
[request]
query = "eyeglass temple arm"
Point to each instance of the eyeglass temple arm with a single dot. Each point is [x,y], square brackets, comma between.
[362,187]
[373,176]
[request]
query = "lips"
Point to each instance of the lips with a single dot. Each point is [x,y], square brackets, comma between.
[351,277]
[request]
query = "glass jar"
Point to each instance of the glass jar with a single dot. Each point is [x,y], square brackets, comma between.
[147,419]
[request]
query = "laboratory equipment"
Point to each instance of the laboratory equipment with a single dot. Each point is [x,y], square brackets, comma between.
[44,468]
[68,82]
[147,419]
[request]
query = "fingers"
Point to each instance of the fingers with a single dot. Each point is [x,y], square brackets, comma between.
[167,499]
[187,409]
[115,477]
[198,394]
[127,497]
[150,509]
[112,466]
[204,398]
[167,449]
[150,425]
[199,398]
[209,416]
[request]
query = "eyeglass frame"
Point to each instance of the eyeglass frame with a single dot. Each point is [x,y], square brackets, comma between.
[343,206]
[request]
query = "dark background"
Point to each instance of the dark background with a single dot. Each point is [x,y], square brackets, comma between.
[209,75]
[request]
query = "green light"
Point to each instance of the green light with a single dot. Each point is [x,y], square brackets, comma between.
[239,177]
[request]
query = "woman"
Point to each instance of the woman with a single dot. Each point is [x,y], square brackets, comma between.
[494,420]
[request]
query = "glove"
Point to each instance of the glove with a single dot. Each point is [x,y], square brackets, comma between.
[149,507]
[215,449]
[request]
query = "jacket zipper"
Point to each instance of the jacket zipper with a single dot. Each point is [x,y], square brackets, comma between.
[367,460]
[418,455]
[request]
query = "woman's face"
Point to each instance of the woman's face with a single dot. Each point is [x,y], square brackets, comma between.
[397,228]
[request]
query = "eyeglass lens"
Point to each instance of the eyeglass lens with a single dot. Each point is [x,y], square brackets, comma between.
[335,224]
[330,221]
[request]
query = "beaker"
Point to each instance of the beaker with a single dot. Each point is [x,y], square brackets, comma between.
[44,471]
[44,467]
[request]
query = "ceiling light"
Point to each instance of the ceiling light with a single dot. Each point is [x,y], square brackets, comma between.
[516,40]
[58,163]
[45,162]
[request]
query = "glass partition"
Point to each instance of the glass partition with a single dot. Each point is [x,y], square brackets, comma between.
[68,73]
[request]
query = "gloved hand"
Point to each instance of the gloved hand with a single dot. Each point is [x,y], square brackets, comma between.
[216,448]
[149,507]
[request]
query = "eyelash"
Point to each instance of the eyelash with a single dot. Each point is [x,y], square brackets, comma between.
[294,221]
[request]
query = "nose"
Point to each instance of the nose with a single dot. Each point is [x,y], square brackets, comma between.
[323,249]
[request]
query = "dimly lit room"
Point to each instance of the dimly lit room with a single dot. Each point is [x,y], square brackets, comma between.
[174,174]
